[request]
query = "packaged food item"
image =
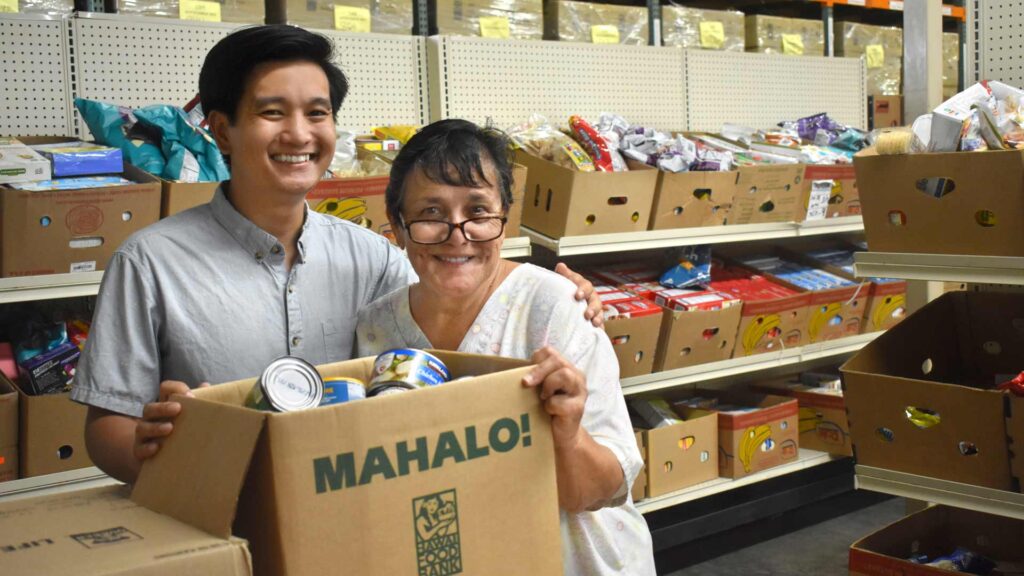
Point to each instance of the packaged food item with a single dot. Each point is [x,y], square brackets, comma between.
[595,146]
[655,413]
[694,268]
[542,140]
[689,27]
[401,133]
[631,309]
[77,183]
[340,389]
[288,384]
[950,64]
[51,372]
[81,158]
[609,298]
[19,163]
[406,368]
[686,300]
[51,7]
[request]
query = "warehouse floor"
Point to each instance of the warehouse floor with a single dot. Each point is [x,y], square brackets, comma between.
[813,540]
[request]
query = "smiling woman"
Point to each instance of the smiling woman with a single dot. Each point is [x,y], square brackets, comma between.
[449,193]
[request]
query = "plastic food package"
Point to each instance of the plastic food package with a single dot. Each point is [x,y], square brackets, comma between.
[789,36]
[611,128]
[518,19]
[245,11]
[81,158]
[54,7]
[379,16]
[603,148]
[596,23]
[542,140]
[694,268]
[698,28]
[882,49]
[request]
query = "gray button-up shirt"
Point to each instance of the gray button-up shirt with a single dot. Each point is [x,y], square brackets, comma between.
[205,296]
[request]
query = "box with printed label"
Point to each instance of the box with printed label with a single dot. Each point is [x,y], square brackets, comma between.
[633,326]
[564,202]
[692,199]
[243,11]
[938,532]
[683,454]
[942,203]
[19,163]
[831,191]
[696,337]
[921,398]
[519,19]
[72,230]
[51,433]
[596,23]
[377,16]
[8,431]
[359,200]
[770,193]
[100,531]
[438,490]
[822,414]
[788,36]
[689,27]
[755,431]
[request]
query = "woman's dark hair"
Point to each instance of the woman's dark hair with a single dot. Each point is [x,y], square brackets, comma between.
[226,70]
[452,152]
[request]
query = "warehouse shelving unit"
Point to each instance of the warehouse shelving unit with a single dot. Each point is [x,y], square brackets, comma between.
[927,489]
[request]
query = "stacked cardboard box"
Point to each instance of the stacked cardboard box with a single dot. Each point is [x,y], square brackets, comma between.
[680,447]
[242,11]
[519,19]
[688,27]
[379,16]
[822,415]
[789,36]
[597,23]
[882,49]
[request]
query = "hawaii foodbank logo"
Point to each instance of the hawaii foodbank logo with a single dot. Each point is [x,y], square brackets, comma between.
[436,519]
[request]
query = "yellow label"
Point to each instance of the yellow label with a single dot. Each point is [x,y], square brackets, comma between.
[793,44]
[494,27]
[199,10]
[604,34]
[351,19]
[875,54]
[712,35]
[8,6]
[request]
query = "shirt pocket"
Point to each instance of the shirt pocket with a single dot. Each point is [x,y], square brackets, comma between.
[335,348]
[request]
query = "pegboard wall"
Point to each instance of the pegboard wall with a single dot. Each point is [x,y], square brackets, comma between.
[34,88]
[508,80]
[998,40]
[759,90]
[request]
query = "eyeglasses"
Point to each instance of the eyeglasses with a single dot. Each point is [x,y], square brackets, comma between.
[482,229]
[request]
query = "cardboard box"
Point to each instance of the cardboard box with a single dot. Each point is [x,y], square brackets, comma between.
[835,186]
[634,336]
[375,472]
[377,16]
[51,433]
[749,442]
[688,27]
[936,531]
[180,196]
[789,36]
[244,11]
[360,200]
[696,337]
[8,431]
[881,47]
[515,212]
[1015,437]
[519,19]
[72,231]
[822,416]
[692,199]
[100,531]
[943,360]
[639,489]
[950,203]
[682,455]
[596,23]
[564,202]
[885,111]
[770,193]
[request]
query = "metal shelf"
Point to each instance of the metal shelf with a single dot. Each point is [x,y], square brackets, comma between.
[69,481]
[988,500]
[654,239]
[806,459]
[49,287]
[941,267]
[518,247]
[745,364]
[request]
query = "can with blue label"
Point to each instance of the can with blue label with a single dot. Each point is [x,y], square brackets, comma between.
[341,389]
[408,368]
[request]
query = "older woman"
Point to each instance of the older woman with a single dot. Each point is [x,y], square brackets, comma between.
[447,201]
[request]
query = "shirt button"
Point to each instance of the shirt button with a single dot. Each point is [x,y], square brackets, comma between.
[476,329]
[276,249]
[259,255]
[296,341]
[291,288]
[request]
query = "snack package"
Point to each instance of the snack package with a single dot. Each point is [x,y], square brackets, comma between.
[611,128]
[694,268]
[542,140]
[402,133]
[602,150]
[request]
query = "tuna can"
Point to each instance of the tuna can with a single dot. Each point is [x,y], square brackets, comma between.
[288,384]
[415,368]
[340,389]
[388,388]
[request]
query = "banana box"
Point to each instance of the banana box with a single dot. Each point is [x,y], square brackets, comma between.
[692,337]
[755,431]
[639,490]
[633,328]
[822,414]
[691,199]
[774,315]
[359,200]
[683,454]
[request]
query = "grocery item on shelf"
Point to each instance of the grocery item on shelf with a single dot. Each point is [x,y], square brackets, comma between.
[378,16]
[882,50]
[943,361]
[77,183]
[822,412]
[689,27]
[541,139]
[789,36]
[517,19]
[51,7]
[693,267]
[241,11]
[774,316]
[755,431]
[597,23]
[20,163]
[681,450]
[601,142]
[81,158]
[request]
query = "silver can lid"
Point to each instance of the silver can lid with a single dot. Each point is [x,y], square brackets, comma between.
[292,384]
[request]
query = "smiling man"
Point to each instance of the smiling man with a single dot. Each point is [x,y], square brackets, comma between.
[216,293]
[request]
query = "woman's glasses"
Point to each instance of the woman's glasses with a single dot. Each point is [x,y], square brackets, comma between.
[483,229]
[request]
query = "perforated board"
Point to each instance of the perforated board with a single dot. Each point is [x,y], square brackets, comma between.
[34,90]
[508,80]
[759,90]
[999,48]
[137,61]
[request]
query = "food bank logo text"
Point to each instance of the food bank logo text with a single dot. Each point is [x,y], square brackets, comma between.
[436,519]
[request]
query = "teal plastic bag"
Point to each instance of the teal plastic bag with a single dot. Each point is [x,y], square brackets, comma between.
[110,125]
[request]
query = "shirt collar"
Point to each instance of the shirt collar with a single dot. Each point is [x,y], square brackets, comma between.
[258,242]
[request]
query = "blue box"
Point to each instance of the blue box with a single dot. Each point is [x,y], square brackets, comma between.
[81,159]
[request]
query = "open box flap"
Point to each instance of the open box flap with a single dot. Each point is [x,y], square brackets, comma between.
[198,473]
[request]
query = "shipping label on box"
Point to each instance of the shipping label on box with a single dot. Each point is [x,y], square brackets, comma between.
[696,337]
[683,454]
[440,488]
[838,190]
[919,396]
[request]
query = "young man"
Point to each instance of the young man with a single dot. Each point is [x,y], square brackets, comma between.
[216,293]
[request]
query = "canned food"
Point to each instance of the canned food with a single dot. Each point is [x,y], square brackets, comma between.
[414,368]
[340,389]
[288,384]
[388,388]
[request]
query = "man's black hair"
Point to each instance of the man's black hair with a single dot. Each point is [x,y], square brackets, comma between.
[452,152]
[228,65]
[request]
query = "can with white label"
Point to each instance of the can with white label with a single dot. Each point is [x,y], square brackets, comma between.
[288,384]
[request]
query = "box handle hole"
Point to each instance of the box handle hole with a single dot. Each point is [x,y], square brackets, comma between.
[638,357]
[618,200]
[885,434]
[767,207]
[635,217]
[897,218]
[65,452]
[968,449]
[547,206]
[985,218]
[536,196]
[768,445]
[783,425]
[686,351]
[668,466]
[126,216]
[45,221]
[709,333]
[936,187]
[723,344]
[702,193]
[89,242]
[753,190]
[705,456]
[927,366]
[678,211]
[686,443]
[591,219]
[992,347]
[923,418]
